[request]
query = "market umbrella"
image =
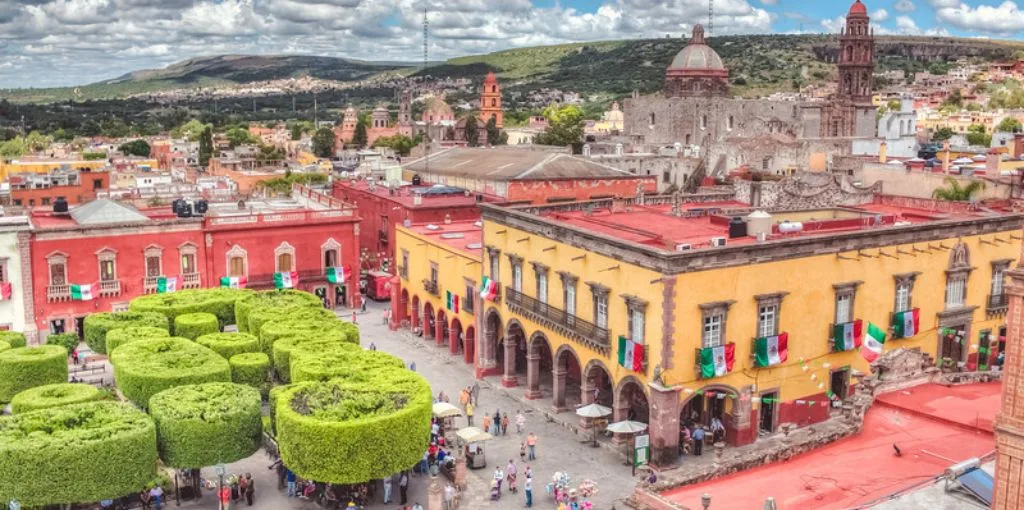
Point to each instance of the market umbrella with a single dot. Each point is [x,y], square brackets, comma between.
[446,410]
[627,427]
[593,411]
[473,435]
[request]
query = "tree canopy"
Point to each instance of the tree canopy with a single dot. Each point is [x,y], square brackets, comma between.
[1009,125]
[955,192]
[565,126]
[136,148]
[324,142]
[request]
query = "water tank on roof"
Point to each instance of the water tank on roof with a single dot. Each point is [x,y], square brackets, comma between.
[201,207]
[737,228]
[176,205]
[759,222]
[416,181]
[789,227]
[185,210]
[60,206]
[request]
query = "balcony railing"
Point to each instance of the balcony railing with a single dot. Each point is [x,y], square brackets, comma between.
[191,281]
[149,284]
[110,287]
[997,303]
[431,287]
[575,328]
[58,292]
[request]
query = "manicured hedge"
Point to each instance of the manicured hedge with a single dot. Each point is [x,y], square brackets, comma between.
[218,301]
[257,318]
[54,395]
[195,325]
[335,363]
[27,367]
[66,340]
[229,344]
[14,338]
[146,367]
[80,453]
[98,324]
[205,424]
[272,299]
[119,337]
[272,331]
[345,431]
[4,346]
[285,347]
[253,369]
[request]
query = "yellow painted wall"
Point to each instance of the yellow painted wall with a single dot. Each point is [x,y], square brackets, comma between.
[454,266]
[42,167]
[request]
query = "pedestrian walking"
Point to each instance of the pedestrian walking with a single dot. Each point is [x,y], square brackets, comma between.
[157,495]
[522,451]
[144,498]
[504,424]
[496,424]
[387,316]
[387,489]
[510,474]
[250,489]
[528,489]
[290,476]
[487,423]
[469,414]
[362,306]
[476,393]
[499,476]
[531,445]
[464,395]
[698,441]
[412,366]
[74,355]
[520,422]
[224,498]
[403,488]
[373,346]
[449,497]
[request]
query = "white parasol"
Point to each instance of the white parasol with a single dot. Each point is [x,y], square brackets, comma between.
[446,410]
[473,435]
[593,411]
[626,427]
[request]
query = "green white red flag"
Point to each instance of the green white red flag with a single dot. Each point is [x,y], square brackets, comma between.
[631,354]
[81,292]
[337,274]
[452,301]
[489,289]
[286,279]
[772,350]
[873,342]
[717,361]
[233,282]
[165,284]
[906,324]
[846,337]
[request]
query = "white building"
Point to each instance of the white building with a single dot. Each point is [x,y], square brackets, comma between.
[16,313]
[897,129]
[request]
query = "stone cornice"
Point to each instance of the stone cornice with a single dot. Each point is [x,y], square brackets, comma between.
[671,262]
[78,231]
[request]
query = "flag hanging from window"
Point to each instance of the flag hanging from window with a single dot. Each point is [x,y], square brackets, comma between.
[337,274]
[81,292]
[489,289]
[286,279]
[906,324]
[165,284]
[873,342]
[717,361]
[631,354]
[452,301]
[772,350]
[233,282]
[846,337]
[5,291]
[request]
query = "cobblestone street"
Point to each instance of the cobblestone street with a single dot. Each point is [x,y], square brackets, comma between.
[559,448]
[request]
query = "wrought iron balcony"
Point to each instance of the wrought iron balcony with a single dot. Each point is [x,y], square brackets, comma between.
[191,281]
[573,327]
[430,286]
[110,287]
[149,284]
[997,304]
[58,292]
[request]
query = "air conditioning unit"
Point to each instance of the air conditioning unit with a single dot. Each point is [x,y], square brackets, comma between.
[683,247]
[717,242]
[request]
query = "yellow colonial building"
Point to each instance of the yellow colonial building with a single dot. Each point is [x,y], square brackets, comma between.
[437,284]
[689,309]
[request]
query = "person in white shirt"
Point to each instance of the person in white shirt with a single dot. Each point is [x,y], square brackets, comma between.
[717,429]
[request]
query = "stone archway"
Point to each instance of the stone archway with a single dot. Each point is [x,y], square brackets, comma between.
[429,324]
[455,341]
[723,402]
[509,356]
[631,401]
[539,364]
[566,379]
[441,328]
[415,317]
[490,344]
[469,345]
[597,382]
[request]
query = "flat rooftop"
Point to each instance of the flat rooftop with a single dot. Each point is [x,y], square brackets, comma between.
[513,164]
[405,195]
[656,226]
[465,236]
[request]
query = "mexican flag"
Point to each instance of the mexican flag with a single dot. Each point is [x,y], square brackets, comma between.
[717,361]
[286,279]
[846,337]
[233,282]
[906,324]
[771,350]
[165,284]
[337,274]
[5,291]
[452,301]
[489,289]
[81,292]
[873,341]
[631,354]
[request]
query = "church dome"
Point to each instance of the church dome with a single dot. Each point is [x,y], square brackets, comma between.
[697,55]
[859,8]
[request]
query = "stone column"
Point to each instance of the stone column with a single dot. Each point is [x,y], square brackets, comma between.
[586,398]
[469,346]
[414,316]
[396,303]
[487,364]
[1009,482]
[435,494]
[620,411]
[559,375]
[664,425]
[742,425]
[533,376]
[438,332]
[453,341]
[509,380]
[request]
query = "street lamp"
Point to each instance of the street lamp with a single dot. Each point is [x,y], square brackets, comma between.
[705,501]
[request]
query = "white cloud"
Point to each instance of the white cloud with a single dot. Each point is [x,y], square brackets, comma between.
[904,6]
[770,2]
[833,25]
[905,25]
[1005,18]
[879,15]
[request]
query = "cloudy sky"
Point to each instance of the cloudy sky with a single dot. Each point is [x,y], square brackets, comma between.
[70,42]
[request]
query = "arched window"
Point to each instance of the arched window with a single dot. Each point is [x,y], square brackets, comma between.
[730,123]
[704,122]
[494,102]
[330,258]
[849,53]
[652,119]
[236,266]
[494,89]
[284,262]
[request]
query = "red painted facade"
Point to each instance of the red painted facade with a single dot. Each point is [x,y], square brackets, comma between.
[552,190]
[89,183]
[305,239]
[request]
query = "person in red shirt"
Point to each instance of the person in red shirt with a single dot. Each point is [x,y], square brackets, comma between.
[224,498]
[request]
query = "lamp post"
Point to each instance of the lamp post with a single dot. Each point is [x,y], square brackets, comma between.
[221,470]
[705,501]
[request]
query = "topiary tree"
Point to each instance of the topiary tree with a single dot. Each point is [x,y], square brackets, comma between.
[54,395]
[66,340]
[270,332]
[206,424]
[119,337]
[27,367]
[346,431]
[259,317]
[229,344]
[80,453]
[253,369]
[219,301]
[98,324]
[146,367]
[344,363]
[285,347]
[195,325]
[272,299]
[14,338]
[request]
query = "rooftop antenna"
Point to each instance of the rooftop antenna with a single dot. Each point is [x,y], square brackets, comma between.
[711,18]
[426,49]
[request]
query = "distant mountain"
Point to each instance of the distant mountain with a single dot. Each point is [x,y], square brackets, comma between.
[758,64]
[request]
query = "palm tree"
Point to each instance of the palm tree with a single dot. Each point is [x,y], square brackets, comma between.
[954,192]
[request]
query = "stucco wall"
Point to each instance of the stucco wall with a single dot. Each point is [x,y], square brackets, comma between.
[917,183]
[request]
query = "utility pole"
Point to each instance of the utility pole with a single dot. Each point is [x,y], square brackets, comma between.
[315,122]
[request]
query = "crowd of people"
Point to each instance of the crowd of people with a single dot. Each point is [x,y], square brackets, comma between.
[693,435]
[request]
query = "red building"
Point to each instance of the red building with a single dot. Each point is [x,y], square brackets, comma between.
[31,189]
[122,252]
[381,208]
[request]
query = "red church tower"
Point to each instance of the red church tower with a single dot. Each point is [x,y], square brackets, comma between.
[490,100]
[850,112]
